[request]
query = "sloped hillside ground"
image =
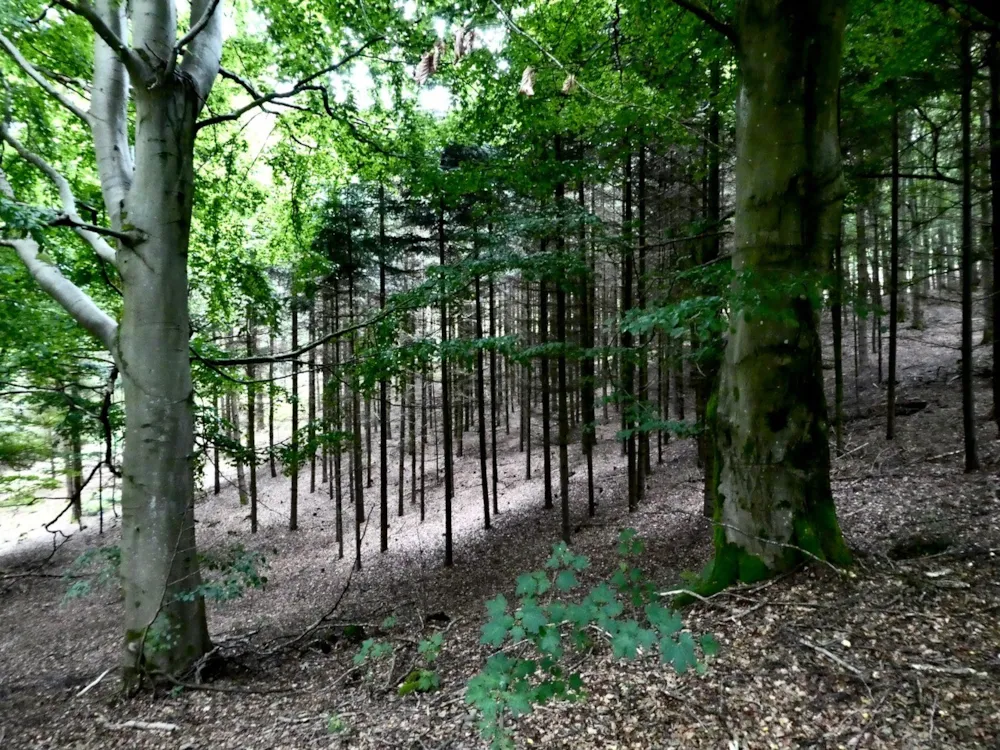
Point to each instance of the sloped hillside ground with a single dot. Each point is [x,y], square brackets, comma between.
[904,652]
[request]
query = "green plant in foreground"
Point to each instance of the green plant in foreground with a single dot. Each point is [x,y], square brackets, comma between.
[532,638]
[335,724]
[424,679]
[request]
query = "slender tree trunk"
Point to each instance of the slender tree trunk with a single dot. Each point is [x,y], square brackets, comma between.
[994,66]
[968,243]
[890,423]
[706,373]
[402,444]
[311,401]
[293,521]
[628,400]
[864,283]
[252,390]
[773,491]
[271,393]
[642,459]
[493,398]
[586,295]
[543,334]
[481,404]
[357,457]
[837,313]
[383,391]
[216,468]
[338,423]
[449,487]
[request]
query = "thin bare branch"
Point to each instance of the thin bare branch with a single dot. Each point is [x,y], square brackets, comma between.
[197,28]
[296,89]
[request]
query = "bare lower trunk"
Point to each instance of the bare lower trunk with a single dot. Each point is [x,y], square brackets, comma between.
[165,624]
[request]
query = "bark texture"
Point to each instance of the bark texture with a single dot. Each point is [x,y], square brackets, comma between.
[772,488]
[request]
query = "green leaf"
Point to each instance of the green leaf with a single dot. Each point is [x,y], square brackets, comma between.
[533,618]
[666,621]
[709,646]
[497,607]
[550,642]
[566,580]
[496,630]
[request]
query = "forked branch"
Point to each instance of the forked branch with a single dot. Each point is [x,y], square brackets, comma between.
[87,232]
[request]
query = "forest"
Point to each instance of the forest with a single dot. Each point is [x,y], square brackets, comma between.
[422,375]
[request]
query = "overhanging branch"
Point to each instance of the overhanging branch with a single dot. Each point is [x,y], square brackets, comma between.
[296,89]
[709,18]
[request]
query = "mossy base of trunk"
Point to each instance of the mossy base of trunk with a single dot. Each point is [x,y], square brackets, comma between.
[816,537]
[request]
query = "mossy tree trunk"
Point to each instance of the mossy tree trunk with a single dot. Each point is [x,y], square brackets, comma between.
[772,475]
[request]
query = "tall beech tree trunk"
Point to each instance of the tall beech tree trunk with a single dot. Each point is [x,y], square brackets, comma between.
[159,558]
[773,459]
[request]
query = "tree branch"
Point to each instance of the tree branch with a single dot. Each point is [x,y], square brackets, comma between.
[203,56]
[109,108]
[697,9]
[38,78]
[137,68]
[72,299]
[296,89]
[197,28]
[85,231]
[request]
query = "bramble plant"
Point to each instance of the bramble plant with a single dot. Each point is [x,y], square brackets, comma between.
[623,610]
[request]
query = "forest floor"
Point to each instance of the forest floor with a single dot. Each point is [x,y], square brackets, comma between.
[902,653]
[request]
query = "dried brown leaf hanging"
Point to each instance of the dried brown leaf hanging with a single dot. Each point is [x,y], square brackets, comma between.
[425,68]
[570,85]
[527,82]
